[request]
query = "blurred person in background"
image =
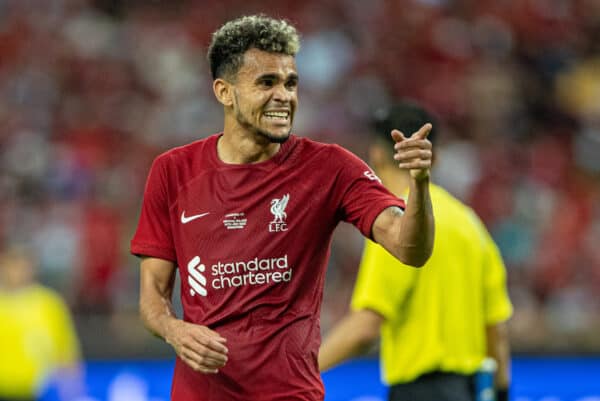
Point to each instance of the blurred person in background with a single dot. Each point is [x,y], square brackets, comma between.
[248,216]
[437,324]
[38,342]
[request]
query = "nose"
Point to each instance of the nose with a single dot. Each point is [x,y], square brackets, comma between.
[283,94]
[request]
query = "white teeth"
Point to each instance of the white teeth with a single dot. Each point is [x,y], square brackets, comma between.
[277,114]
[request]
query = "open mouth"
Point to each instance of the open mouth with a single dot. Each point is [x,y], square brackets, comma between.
[277,116]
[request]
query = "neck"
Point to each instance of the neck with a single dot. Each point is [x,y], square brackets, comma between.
[10,284]
[394,179]
[238,145]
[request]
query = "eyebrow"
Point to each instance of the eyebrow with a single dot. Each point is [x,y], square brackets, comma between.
[277,76]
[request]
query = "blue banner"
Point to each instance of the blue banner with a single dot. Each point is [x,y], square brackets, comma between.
[534,379]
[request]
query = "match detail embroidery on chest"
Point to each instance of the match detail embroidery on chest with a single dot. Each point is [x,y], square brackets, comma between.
[235,221]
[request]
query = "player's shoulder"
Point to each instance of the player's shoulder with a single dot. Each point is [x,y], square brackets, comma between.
[457,220]
[186,153]
[47,296]
[457,209]
[309,144]
[450,205]
[444,198]
[327,152]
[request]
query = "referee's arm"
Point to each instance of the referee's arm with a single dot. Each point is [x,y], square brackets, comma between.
[498,347]
[352,336]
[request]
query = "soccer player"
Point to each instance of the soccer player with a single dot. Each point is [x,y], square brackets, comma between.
[247,217]
[437,324]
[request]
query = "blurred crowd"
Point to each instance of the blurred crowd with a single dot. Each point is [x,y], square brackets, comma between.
[92,91]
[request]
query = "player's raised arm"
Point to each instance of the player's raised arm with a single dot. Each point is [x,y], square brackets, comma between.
[409,235]
[201,348]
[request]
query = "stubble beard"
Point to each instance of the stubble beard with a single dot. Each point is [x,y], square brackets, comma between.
[243,121]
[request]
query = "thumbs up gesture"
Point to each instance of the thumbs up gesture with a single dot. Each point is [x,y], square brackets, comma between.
[414,153]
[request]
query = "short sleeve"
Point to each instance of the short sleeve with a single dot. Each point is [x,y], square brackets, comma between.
[153,236]
[497,305]
[382,283]
[364,196]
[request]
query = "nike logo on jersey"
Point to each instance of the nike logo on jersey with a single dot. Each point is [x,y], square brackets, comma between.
[186,219]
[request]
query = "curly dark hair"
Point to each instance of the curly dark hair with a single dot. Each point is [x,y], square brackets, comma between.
[234,38]
[405,115]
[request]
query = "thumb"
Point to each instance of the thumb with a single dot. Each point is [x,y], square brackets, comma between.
[423,131]
[397,136]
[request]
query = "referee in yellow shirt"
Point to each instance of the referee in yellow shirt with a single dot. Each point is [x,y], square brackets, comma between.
[437,323]
[38,341]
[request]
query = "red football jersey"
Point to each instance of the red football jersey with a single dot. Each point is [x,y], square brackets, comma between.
[252,242]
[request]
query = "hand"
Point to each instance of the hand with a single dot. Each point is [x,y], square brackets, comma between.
[201,348]
[414,153]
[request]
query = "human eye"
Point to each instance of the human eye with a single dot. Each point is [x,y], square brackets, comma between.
[291,84]
[266,82]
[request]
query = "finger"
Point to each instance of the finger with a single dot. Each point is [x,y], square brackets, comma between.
[211,340]
[218,357]
[215,336]
[209,346]
[423,131]
[204,361]
[207,354]
[413,154]
[413,143]
[208,371]
[211,363]
[198,367]
[398,136]
[415,165]
[217,345]
[203,369]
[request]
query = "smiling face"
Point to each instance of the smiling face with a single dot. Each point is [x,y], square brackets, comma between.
[264,95]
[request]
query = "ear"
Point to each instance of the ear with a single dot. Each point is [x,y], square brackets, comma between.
[223,92]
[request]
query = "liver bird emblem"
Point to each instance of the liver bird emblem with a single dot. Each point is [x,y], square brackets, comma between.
[278,208]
